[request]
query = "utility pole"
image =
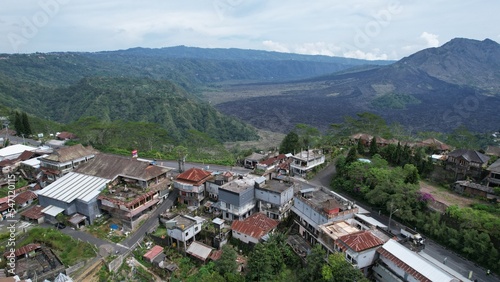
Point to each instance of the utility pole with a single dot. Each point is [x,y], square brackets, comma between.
[390,217]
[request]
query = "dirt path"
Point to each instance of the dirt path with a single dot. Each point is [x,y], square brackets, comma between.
[444,196]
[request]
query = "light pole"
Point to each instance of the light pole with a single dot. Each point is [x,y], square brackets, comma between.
[390,218]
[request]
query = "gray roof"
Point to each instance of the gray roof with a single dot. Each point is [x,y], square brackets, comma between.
[111,166]
[495,167]
[425,268]
[470,155]
[74,186]
[199,250]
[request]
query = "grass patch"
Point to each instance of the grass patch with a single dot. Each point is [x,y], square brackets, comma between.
[102,230]
[69,250]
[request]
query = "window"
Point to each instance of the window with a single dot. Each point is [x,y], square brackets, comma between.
[196,228]
[187,233]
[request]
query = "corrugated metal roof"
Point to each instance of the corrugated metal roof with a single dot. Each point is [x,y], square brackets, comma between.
[15,149]
[153,252]
[412,263]
[199,250]
[75,186]
[256,225]
[52,210]
[360,241]
[371,220]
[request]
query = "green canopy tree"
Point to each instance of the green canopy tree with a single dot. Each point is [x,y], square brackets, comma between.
[290,143]
[339,270]
[227,263]
[26,124]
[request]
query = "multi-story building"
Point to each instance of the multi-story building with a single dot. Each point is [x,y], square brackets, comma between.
[237,198]
[305,161]
[274,198]
[63,161]
[192,185]
[317,206]
[183,229]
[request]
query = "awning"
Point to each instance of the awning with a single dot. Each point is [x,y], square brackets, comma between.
[52,210]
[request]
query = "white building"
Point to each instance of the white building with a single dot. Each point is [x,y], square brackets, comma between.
[306,161]
[253,229]
[183,228]
[13,151]
[317,206]
[397,263]
[274,198]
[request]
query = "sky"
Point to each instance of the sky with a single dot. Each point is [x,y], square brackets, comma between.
[386,30]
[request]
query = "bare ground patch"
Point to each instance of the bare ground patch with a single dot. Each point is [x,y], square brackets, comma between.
[267,140]
[444,196]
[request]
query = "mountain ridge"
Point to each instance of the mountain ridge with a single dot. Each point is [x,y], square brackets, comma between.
[466,92]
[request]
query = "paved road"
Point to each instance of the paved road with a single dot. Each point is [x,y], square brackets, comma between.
[453,260]
[152,221]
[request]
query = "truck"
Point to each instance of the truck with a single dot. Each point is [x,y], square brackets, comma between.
[412,235]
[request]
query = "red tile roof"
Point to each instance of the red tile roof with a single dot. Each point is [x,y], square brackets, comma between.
[154,252]
[194,176]
[25,197]
[24,250]
[359,241]
[66,135]
[256,225]
[400,264]
[33,213]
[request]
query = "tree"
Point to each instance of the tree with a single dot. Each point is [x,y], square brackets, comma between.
[315,261]
[351,156]
[290,143]
[259,264]
[227,262]
[360,147]
[18,123]
[338,269]
[411,174]
[373,146]
[26,124]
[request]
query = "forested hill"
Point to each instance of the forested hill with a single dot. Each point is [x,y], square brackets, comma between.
[151,85]
[145,100]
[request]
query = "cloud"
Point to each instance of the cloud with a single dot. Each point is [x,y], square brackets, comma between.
[431,39]
[358,54]
[275,46]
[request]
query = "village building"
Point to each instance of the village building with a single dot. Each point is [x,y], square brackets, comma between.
[237,198]
[192,186]
[252,160]
[154,255]
[72,193]
[134,188]
[199,251]
[182,229]
[493,178]
[464,162]
[305,161]
[397,263]
[14,151]
[359,248]
[253,229]
[317,206]
[63,161]
[274,198]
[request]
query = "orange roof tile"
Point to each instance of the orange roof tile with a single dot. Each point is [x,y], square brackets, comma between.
[194,175]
